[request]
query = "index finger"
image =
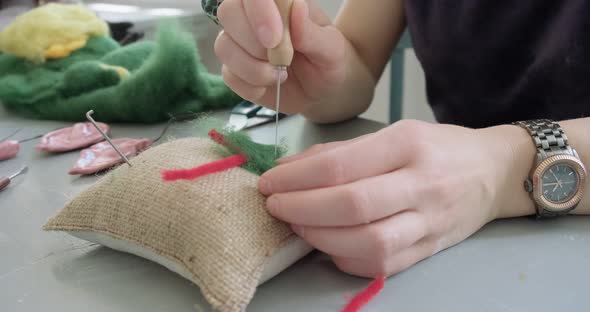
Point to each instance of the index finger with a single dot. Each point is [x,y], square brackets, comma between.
[374,155]
[319,148]
[265,20]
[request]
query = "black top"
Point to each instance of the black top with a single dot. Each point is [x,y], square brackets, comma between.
[488,62]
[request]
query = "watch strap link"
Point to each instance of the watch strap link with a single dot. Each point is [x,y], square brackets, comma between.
[210,8]
[550,214]
[547,135]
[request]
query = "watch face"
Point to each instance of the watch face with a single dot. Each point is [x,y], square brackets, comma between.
[559,183]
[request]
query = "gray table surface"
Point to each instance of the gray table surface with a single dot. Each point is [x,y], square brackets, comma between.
[512,265]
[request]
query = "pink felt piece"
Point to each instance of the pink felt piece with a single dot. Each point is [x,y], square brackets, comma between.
[72,138]
[9,149]
[103,156]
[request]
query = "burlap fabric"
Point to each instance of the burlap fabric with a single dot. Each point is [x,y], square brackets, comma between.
[216,227]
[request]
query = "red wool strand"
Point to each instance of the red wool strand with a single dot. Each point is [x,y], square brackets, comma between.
[216,136]
[365,296]
[197,172]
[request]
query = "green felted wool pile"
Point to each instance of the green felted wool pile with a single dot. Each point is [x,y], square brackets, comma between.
[142,82]
[261,157]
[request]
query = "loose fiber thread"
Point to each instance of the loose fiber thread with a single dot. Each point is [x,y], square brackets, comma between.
[209,168]
[254,157]
[362,298]
[217,137]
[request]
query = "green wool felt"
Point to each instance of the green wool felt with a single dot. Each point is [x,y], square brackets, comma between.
[22,84]
[85,77]
[261,157]
[132,56]
[165,77]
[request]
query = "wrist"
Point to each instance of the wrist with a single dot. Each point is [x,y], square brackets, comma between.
[514,163]
[348,97]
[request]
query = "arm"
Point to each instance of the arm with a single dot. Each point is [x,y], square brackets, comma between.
[375,39]
[372,32]
[519,203]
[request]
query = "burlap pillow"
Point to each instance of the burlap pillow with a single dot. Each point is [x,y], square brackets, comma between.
[213,231]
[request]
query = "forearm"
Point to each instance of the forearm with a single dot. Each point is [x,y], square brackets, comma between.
[517,201]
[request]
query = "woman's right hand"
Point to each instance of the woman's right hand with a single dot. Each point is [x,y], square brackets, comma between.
[251,27]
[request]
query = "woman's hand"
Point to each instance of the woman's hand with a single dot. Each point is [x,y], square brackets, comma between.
[335,67]
[251,27]
[382,202]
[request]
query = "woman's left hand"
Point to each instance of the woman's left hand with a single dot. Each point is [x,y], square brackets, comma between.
[380,203]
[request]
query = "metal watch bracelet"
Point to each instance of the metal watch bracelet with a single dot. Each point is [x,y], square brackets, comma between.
[548,136]
[210,9]
[549,140]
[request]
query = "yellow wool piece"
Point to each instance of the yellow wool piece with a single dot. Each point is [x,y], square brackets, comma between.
[59,50]
[121,71]
[53,28]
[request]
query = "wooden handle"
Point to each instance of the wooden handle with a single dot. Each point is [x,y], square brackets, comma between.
[4,183]
[282,55]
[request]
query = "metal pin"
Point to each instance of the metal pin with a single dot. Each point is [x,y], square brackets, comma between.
[106,137]
[278,108]
[21,171]
[31,138]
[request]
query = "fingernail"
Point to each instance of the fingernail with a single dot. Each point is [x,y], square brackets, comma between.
[298,229]
[272,205]
[284,75]
[265,36]
[264,186]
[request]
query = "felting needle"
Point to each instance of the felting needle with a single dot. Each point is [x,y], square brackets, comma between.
[106,137]
[281,57]
[4,182]
[278,109]
[10,135]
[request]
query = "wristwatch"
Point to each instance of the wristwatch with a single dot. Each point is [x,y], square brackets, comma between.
[210,8]
[556,181]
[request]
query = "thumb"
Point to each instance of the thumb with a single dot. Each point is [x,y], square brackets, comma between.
[318,42]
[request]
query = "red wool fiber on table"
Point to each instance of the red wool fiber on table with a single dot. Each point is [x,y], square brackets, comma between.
[362,298]
[197,172]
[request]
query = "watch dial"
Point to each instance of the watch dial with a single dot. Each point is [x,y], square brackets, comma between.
[560,183]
